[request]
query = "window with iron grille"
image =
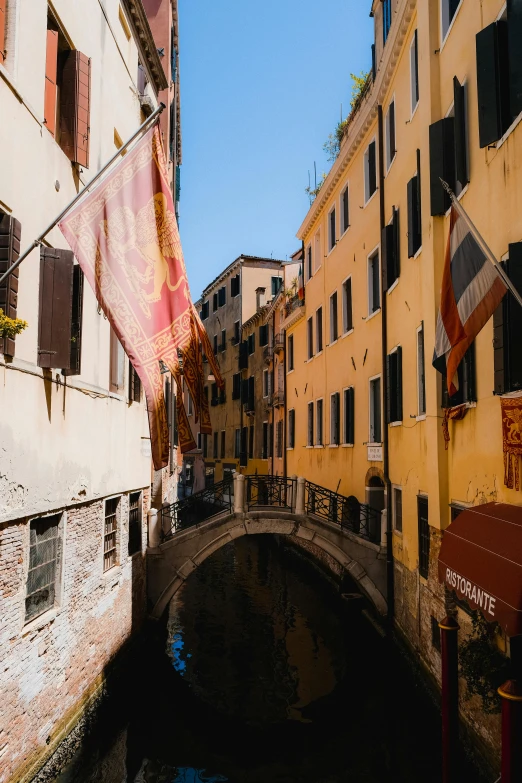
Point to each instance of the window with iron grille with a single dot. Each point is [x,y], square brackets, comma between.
[279,439]
[135,517]
[134,385]
[110,532]
[45,553]
[424,537]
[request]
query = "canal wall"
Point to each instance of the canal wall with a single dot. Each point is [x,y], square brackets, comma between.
[54,669]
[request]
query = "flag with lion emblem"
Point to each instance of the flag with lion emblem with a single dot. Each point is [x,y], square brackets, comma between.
[126,239]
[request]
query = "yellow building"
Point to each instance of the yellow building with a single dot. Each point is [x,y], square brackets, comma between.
[368,405]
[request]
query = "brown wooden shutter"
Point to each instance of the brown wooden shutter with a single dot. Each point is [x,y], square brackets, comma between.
[75,99]
[10,234]
[51,67]
[76,324]
[2,31]
[55,313]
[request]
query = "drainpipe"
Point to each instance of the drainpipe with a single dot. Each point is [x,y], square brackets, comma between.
[285,412]
[390,591]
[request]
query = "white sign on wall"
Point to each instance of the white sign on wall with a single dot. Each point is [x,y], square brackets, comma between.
[374,453]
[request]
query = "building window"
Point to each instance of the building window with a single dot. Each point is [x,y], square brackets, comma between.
[414,72]
[215,346]
[223,340]
[448,152]
[251,343]
[349,416]
[421,377]
[390,134]
[135,517]
[235,286]
[345,211]
[507,328]
[391,254]
[424,537]
[375,435]
[110,532]
[414,212]
[266,444]
[319,329]
[198,438]
[223,443]
[310,439]
[251,442]
[310,338]
[236,386]
[214,398]
[190,404]
[204,313]
[279,439]
[205,445]
[332,239]
[335,419]
[237,443]
[319,423]
[374,283]
[222,296]
[290,353]
[237,332]
[448,9]
[309,267]
[466,375]
[277,282]
[347,306]
[435,634]
[334,326]
[394,391]
[397,508]
[291,428]
[386,19]
[214,302]
[266,383]
[370,171]
[117,364]
[45,556]
[215,450]
[263,334]
[317,251]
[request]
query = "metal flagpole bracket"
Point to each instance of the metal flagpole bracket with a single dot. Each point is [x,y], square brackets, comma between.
[38,241]
[480,241]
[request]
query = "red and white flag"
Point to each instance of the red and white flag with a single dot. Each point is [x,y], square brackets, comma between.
[125,237]
[472,289]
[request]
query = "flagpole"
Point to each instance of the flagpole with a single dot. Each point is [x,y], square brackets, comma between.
[82,193]
[480,241]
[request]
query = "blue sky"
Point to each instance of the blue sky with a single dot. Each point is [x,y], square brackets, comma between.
[262,85]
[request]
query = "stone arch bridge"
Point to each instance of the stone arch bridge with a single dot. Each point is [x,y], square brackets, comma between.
[183,535]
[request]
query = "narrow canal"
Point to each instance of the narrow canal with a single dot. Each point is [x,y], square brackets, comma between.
[264,675]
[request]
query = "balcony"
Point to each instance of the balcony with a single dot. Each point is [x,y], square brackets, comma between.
[268,354]
[278,399]
[279,343]
[250,406]
[293,311]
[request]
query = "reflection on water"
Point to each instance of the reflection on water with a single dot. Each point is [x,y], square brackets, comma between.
[267,679]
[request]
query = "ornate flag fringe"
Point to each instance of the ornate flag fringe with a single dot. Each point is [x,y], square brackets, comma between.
[125,237]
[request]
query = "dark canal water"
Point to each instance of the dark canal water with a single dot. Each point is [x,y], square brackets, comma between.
[268,678]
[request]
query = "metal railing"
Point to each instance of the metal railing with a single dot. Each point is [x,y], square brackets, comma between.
[277,399]
[198,507]
[270,491]
[279,342]
[268,353]
[347,512]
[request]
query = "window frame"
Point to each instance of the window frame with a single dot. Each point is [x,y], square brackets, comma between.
[376,252]
[334,322]
[266,384]
[371,409]
[332,228]
[309,263]
[310,423]
[398,393]
[319,334]
[414,72]
[59,566]
[347,330]
[335,435]
[319,423]
[116,531]
[342,228]
[310,338]
[139,522]
[366,171]
[345,441]
[291,429]
[290,353]
[444,35]
[396,490]
[389,159]
[421,409]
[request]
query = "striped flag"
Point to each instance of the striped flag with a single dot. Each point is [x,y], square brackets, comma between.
[471,291]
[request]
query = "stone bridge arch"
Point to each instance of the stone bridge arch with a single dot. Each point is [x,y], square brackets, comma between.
[172,562]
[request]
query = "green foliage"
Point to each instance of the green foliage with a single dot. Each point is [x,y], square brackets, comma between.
[358,83]
[312,192]
[482,664]
[10,327]
[333,144]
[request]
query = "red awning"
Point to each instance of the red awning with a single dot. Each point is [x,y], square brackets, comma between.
[481,561]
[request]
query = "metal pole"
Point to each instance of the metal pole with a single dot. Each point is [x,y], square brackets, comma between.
[82,193]
[480,241]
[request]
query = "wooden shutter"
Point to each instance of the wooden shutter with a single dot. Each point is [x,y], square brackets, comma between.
[468,375]
[251,393]
[348,305]
[310,423]
[10,235]
[336,419]
[75,99]
[391,129]
[398,394]
[514,26]
[424,537]
[416,65]
[244,391]
[499,347]
[51,68]
[2,31]
[396,244]
[459,105]
[372,170]
[442,163]
[513,324]
[76,323]
[492,82]
[350,413]
[387,255]
[55,311]
[374,68]
[214,302]
[394,386]
[243,454]
[414,238]
[243,355]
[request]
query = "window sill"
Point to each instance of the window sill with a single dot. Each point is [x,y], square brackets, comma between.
[347,446]
[332,343]
[450,28]
[395,423]
[319,352]
[393,286]
[375,312]
[289,372]
[309,447]
[345,231]
[509,131]
[421,417]
[414,112]
[371,198]
[346,334]
[397,532]
[290,448]
[417,253]
[333,445]
[44,619]
[391,164]
[116,396]
[319,446]
[330,251]
[112,573]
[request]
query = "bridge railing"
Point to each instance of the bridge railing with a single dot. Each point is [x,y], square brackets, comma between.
[270,491]
[347,512]
[185,513]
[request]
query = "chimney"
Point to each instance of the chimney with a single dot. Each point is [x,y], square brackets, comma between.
[260,298]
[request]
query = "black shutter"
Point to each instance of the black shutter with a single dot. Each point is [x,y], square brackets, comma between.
[263,334]
[398,396]
[372,171]
[391,125]
[243,355]
[388,252]
[55,311]
[396,244]
[76,325]
[411,190]
[374,66]
[499,347]
[244,391]
[514,26]
[10,235]
[416,55]
[214,302]
[251,393]
[394,386]
[468,375]
[493,82]
[442,163]
[424,537]
[459,107]
[243,455]
[351,416]
[513,320]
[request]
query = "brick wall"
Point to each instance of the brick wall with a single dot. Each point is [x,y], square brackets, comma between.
[50,667]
